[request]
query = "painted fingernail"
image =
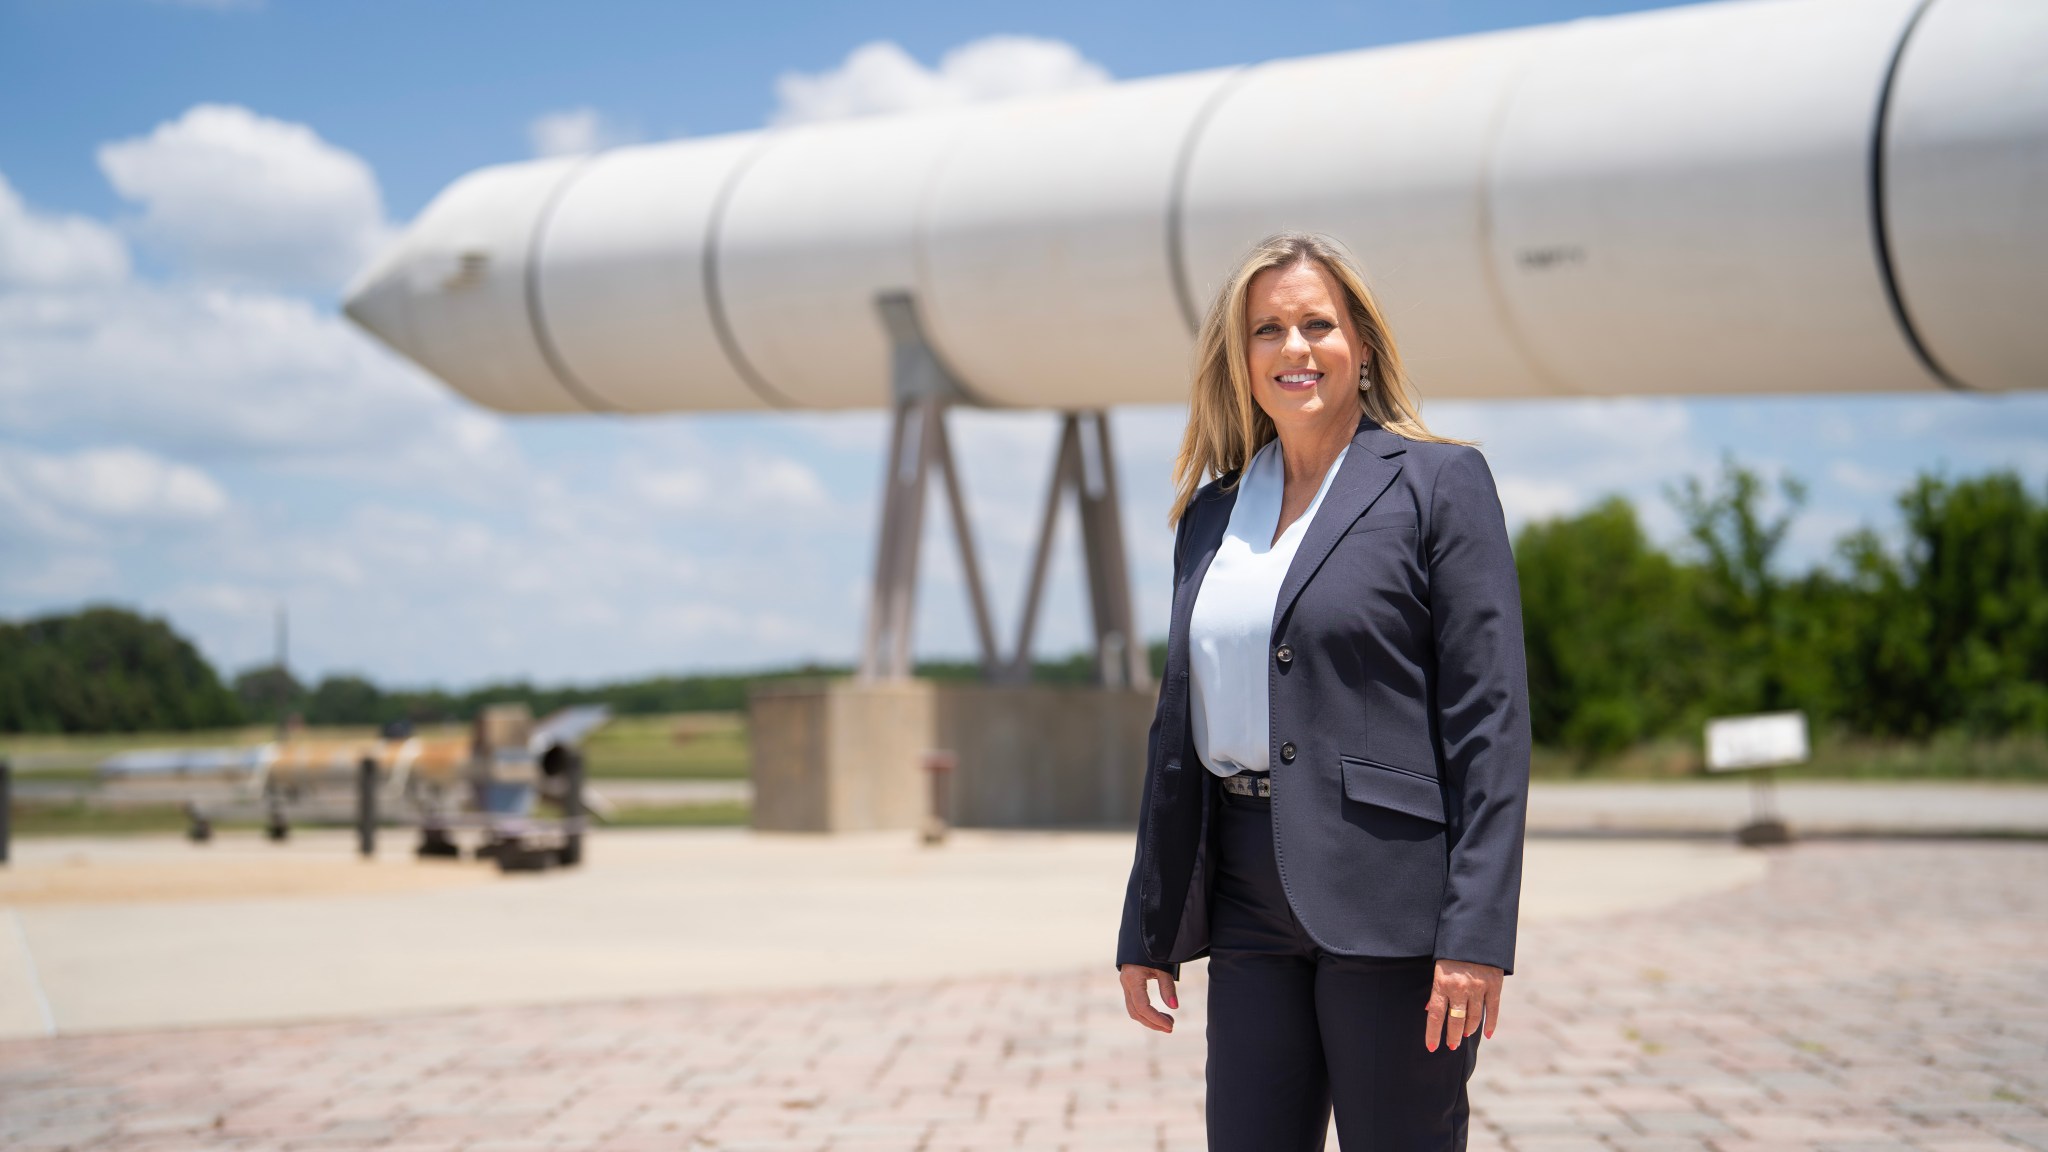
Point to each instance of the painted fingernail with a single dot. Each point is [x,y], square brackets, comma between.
[1171,1002]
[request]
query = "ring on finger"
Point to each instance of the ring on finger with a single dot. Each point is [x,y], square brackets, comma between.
[1457,1013]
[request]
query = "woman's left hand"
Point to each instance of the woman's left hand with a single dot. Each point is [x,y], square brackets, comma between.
[1460,996]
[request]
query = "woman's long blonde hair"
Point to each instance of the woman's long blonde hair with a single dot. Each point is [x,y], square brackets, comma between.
[1225,425]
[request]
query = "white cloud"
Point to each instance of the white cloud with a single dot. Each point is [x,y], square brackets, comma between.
[115,388]
[67,519]
[746,485]
[1553,457]
[778,482]
[236,373]
[91,354]
[574,131]
[670,488]
[41,251]
[116,484]
[1864,480]
[881,77]
[243,198]
[554,574]
[1526,498]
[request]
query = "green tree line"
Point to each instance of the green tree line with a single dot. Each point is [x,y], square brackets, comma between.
[1944,629]
[106,670]
[267,691]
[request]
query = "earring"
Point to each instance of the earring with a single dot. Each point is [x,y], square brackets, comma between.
[1364,376]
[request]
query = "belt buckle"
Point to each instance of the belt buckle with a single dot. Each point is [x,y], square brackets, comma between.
[1256,786]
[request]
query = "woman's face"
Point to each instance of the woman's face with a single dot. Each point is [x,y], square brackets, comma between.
[1301,347]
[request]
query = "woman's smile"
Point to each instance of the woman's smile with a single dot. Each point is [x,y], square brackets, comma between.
[1302,350]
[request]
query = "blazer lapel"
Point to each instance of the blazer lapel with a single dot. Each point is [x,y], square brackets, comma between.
[1368,468]
[1208,520]
[1205,536]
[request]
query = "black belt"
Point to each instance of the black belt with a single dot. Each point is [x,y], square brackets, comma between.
[1248,784]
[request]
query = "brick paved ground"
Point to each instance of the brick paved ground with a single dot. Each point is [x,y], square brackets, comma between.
[1863,998]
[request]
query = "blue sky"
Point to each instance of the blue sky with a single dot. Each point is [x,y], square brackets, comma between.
[428,89]
[187,427]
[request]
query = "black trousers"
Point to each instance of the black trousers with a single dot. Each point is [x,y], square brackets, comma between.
[1295,1031]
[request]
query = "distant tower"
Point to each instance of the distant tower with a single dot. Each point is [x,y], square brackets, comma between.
[283,677]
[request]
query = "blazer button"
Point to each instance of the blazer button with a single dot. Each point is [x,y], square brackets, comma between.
[1287,753]
[1284,654]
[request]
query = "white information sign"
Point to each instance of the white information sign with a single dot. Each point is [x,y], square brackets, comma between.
[1760,741]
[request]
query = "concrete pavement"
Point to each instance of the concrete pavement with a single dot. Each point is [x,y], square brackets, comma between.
[244,931]
[1851,998]
[1690,807]
[1852,808]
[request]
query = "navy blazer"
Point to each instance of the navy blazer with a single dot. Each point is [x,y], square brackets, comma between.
[1399,722]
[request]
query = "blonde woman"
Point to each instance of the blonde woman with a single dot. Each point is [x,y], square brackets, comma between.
[1338,766]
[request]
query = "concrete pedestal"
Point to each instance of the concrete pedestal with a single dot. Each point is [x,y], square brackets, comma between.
[846,755]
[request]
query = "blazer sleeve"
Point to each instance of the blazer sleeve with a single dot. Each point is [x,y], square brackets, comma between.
[1130,941]
[1482,711]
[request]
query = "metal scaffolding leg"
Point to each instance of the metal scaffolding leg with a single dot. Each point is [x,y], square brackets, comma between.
[892,604]
[1119,651]
[1019,667]
[918,445]
[1085,464]
[970,567]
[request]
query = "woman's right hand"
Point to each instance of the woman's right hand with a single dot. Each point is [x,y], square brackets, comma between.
[1138,997]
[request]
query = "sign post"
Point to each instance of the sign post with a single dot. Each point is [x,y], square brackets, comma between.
[939,765]
[1758,744]
[366,808]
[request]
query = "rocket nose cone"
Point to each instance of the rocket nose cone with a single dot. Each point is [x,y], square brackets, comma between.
[379,302]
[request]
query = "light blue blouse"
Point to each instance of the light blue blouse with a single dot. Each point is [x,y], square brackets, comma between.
[1230,633]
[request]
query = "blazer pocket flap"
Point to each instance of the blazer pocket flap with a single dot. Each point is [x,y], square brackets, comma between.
[1407,792]
[1390,519]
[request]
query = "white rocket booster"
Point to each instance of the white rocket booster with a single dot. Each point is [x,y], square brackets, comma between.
[1760,196]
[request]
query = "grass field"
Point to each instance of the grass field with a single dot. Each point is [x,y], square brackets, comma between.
[686,746]
[79,819]
[75,755]
[720,815]
[680,746]
[683,746]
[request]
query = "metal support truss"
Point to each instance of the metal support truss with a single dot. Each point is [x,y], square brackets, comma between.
[919,445]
